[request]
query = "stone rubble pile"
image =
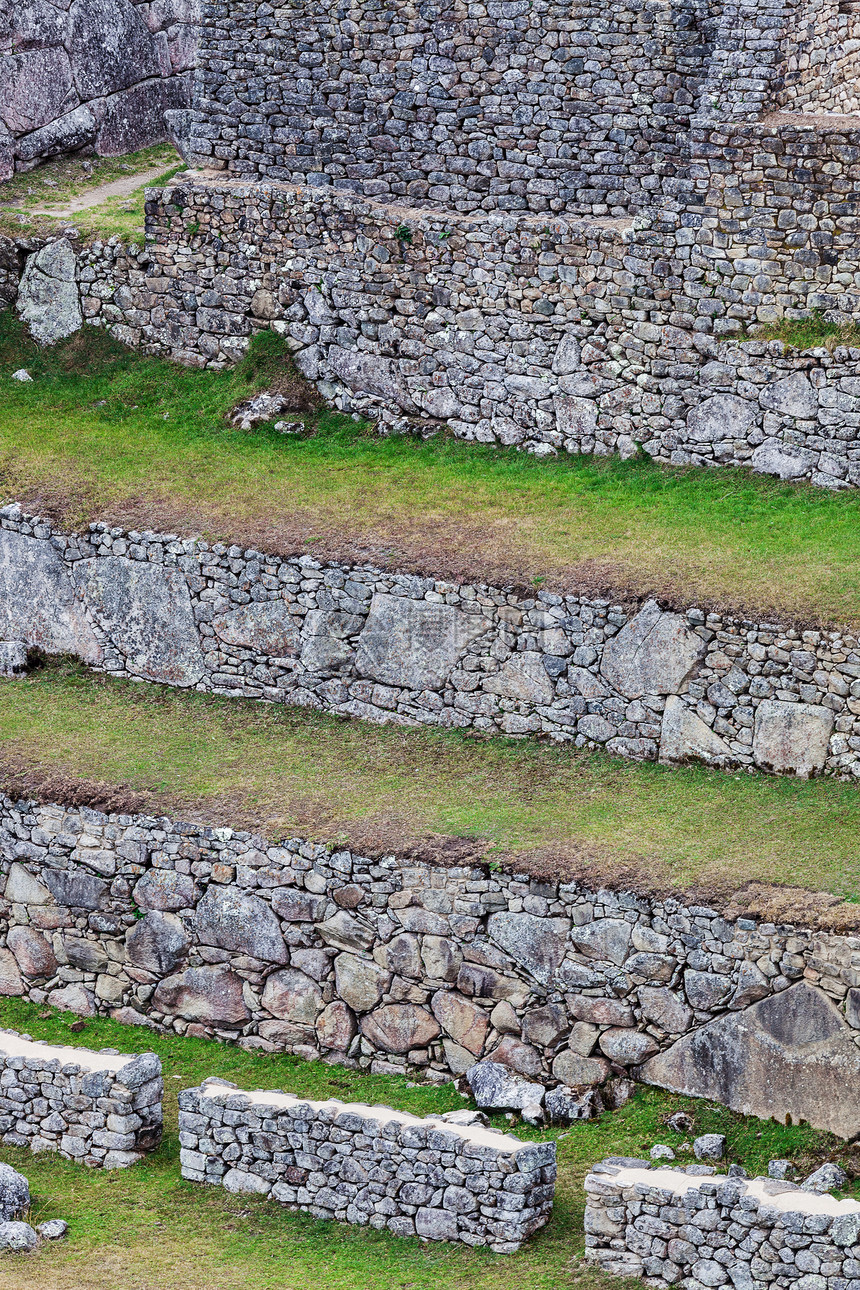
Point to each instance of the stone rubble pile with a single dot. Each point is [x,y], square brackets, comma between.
[673,1227]
[99,1109]
[433,1178]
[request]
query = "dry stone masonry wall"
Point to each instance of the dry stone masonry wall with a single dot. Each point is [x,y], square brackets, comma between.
[369,1165]
[384,647]
[672,1228]
[101,1109]
[94,74]
[392,965]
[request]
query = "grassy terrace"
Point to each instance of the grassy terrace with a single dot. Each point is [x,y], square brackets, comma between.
[102,433]
[146,1229]
[293,771]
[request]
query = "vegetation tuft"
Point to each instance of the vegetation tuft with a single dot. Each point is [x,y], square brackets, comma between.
[814,332]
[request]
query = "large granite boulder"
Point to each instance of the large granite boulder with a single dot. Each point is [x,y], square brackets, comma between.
[497,1088]
[235,920]
[292,996]
[166,890]
[773,457]
[14,1193]
[792,1054]
[654,653]
[723,416]
[531,941]
[205,994]
[360,982]
[157,943]
[69,132]
[524,678]
[264,626]
[48,301]
[33,953]
[134,118]
[792,738]
[325,639]
[414,643]
[400,1027]
[791,396]
[146,611]
[463,1021]
[111,47]
[684,737]
[370,374]
[35,87]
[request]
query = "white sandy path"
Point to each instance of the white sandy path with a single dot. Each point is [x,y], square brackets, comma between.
[96,196]
[15,1046]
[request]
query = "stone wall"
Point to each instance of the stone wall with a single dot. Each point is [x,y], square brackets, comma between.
[393,965]
[101,1109]
[386,647]
[502,105]
[369,1165]
[669,1227]
[822,58]
[95,75]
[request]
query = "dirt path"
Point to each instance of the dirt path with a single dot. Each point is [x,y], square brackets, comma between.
[116,188]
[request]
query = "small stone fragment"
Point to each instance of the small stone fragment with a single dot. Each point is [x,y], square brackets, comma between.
[710,1146]
[18,1236]
[54,1230]
[826,1178]
[661,1152]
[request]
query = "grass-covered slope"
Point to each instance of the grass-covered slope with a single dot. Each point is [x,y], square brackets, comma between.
[145,1229]
[553,810]
[103,433]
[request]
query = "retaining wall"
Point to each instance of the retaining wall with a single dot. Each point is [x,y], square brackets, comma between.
[101,1109]
[385,647]
[670,1227]
[394,965]
[369,1165]
[96,75]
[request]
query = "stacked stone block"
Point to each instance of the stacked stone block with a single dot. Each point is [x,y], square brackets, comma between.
[101,1109]
[384,647]
[390,966]
[670,1227]
[369,1165]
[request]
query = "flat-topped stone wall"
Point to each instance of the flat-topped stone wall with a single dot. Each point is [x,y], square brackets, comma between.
[101,1109]
[369,1165]
[671,1227]
[392,965]
[383,647]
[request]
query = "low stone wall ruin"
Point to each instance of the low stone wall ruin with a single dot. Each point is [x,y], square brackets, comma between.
[386,647]
[101,1109]
[393,965]
[369,1165]
[672,1228]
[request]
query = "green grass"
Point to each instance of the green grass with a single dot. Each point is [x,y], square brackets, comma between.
[103,433]
[294,771]
[146,1229]
[58,181]
[808,333]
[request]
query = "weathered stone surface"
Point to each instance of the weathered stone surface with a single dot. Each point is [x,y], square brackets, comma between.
[463,1021]
[35,87]
[791,1054]
[134,118]
[575,417]
[531,941]
[207,994]
[325,643]
[399,1027]
[158,943]
[48,295]
[773,457]
[345,932]
[73,998]
[401,955]
[567,357]
[336,1026]
[706,990]
[441,957]
[546,1026]
[236,920]
[23,888]
[563,1105]
[579,1072]
[37,600]
[459,1059]
[111,47]
[793,396]
[18,1236]
[684,737]
[360,982]
[498,1089]
[82,953]
[13,658]
[292,996]
[267,626]
[606,939]
[710,1146]
[296,906]
[33,954]
[14,1193]
[166,890]
[826,1177]
[663,1008]
[601,1012]
[519,1056]
[10,978]
[74,889]
[654,653]
[791,738]
[627,1047]
[146,611]
[523,677]
[414,643]
[752,985]
[72,130]
[723,416]
[369,374]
